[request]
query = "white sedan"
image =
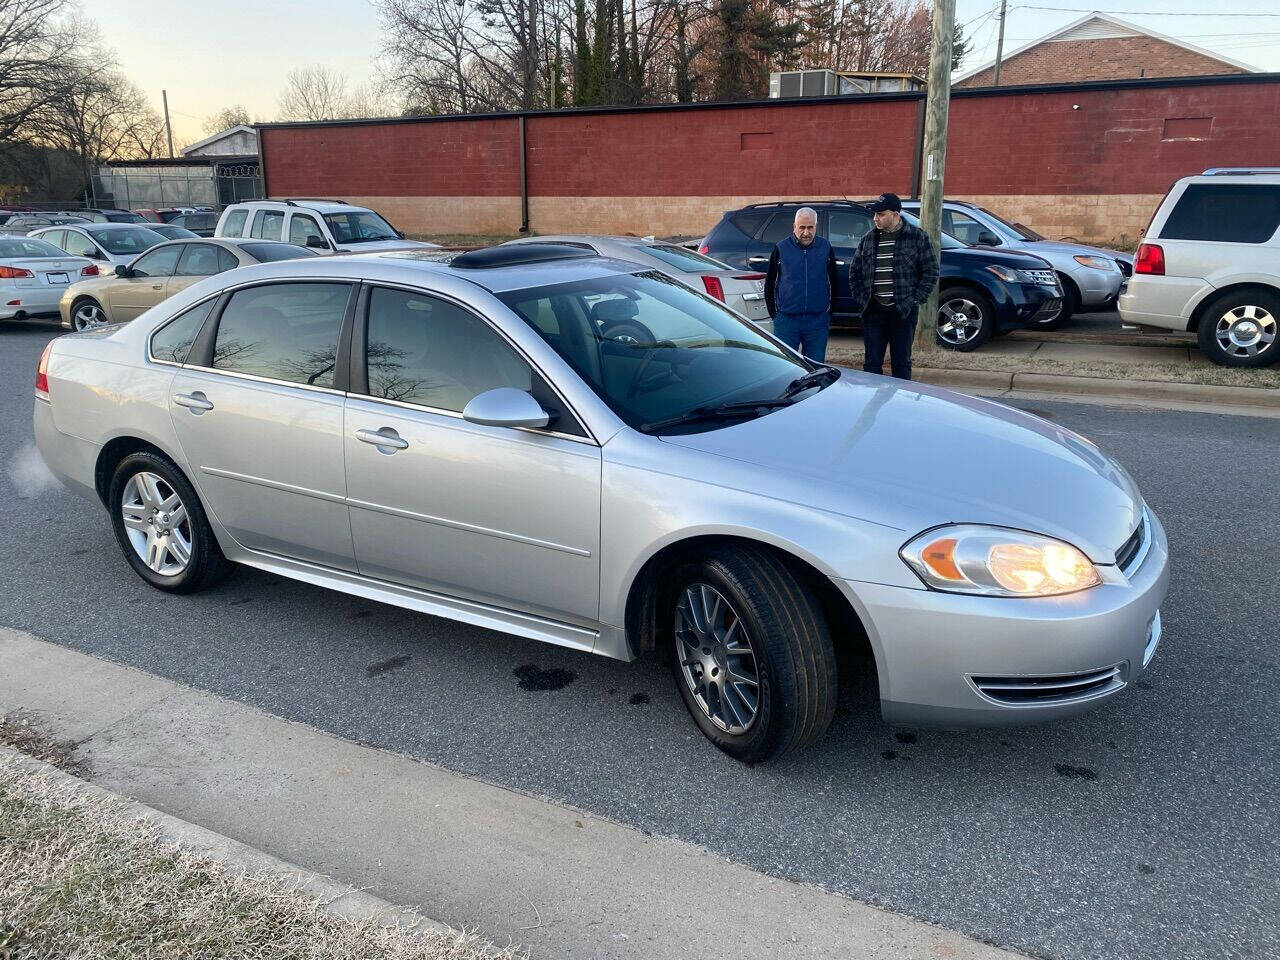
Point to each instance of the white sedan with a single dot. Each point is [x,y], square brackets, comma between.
[33,276]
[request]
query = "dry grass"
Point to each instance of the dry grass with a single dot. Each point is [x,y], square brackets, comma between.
[1202,372]
[20,730]
[81,881]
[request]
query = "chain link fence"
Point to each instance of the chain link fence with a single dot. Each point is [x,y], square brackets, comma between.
[138,187]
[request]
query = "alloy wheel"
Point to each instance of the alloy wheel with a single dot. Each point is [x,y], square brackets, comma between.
[1245,331]
[87,316]
[959,320]
[157,523]
[717,659]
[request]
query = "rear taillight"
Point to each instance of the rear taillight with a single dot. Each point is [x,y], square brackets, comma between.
[13,273]
[714,287]
[42,372]
[1150,259]
[704,249]
[749,276]
[90,271]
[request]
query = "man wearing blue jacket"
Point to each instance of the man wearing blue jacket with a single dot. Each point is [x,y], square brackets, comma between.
[800,287]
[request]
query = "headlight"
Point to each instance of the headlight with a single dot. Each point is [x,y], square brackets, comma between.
[998,562]
[1004,273]
[1098,263]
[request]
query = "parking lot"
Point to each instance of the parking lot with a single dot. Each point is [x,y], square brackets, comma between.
[1145,829]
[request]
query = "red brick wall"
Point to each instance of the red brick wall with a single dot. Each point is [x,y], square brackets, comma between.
[1110,58]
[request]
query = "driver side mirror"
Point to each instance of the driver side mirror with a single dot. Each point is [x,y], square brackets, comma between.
[123,271]
[506,407]
[318,243]
[988,239]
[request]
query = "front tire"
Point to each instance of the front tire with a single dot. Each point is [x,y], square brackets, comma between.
[86,314]
[966,319]
[161,525]
[752,654]
[1242,329]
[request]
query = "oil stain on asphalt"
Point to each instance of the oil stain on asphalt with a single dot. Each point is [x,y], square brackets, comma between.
[533,677]
[1074,773]
[638,698]
[387,666]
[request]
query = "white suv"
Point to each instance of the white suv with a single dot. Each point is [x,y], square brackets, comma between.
[1210,264]
[326,226]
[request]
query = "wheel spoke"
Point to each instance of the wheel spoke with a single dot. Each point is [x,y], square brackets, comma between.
[178,516]
[741,678]
[179,548]
[155,552]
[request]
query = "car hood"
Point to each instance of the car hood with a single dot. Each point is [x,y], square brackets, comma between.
[1046,248]
[382,246]
[985,256]
[914,457]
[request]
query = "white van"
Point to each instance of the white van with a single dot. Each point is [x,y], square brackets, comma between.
[326,226]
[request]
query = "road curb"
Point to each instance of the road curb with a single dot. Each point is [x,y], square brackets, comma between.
[336,899]
[1104,388]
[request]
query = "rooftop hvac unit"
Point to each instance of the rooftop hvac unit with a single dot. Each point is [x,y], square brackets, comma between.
[803,83]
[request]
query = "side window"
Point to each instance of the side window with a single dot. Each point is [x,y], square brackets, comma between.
[749,221]
[427,351]
[202,260]
[173,341]
[267,225]
[235,223]
[1225,212]
[226,260]
[158,263]
[846,228]
[79,245]
[783,223]
[57,237]
[963,227]
[283,331]
[302,226]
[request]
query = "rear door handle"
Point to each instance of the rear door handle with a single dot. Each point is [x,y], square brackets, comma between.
[755,260]
[841,263]
[386,437]
[193,401]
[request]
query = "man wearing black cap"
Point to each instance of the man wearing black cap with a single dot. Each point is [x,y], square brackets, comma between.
[892,273]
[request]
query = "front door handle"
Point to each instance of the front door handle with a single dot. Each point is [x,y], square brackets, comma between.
[157,286]
[757,260]
[193,401]
[386,437]
[841,263]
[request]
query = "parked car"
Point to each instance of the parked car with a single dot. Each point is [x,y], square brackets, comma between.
[201,223]
[741,291]
[21,224]
[108,215]
[1210,265]
[481,453]
[981,292]
[172,231]
[159,273]
[149,214]
[33,275]
[112,242]
[326,226]
[1091,277]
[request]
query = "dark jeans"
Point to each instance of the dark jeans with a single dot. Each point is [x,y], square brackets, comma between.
[805,333]
[885,327]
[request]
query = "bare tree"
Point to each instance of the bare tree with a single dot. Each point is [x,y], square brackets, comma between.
[40,43]
[226,118]
[314,93]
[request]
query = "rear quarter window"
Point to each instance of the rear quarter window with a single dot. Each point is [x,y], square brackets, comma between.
[235,223]
[749,221]
[1225,212]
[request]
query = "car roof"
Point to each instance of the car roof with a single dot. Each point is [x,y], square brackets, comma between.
[96,227]
[319,206]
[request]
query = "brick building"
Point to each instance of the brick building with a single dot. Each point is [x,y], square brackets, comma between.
[1089,161]
[1100,47]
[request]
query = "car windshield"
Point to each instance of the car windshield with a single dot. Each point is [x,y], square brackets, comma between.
[359,226]
[653,349]
[948,241]
[1017,229]
[680,258]
[127,240]
[270,252]
[172,231]
[28,247]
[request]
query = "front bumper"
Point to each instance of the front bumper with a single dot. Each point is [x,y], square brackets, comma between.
[952,660]
[1098,288]
[1027,303]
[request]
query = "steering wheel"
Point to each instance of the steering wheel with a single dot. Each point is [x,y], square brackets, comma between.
[653,348]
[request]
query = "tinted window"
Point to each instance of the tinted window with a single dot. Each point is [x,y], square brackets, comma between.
[267,225]
[782,224]
[158,263]
[28,247]
[80,245]
[301,227]
[204,260]
[427,351]
[963,227]
[1235,213]
[680,258]
[846,228]
[235,223]
[125,218]
[200,221]
[283,331]
[749,221]
[125,240]
[359,226]
[269,252]
[173,341]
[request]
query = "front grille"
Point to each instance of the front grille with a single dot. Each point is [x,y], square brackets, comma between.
[1031,691]
[1129,555]
[1049,308]
[1125,267]
[1046,277]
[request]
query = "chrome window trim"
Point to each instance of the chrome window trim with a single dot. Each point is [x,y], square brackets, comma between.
[267,380]
[152,335]
[455,415]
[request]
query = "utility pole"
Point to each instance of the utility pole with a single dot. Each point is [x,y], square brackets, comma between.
[935,152]
[995,82]
[164,95]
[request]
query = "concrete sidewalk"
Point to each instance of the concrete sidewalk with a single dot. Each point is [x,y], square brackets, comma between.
[470,854]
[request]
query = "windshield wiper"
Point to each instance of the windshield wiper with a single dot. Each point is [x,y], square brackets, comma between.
[725,411]
[811,379]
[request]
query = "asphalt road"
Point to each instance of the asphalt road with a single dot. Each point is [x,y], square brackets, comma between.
[1149,828]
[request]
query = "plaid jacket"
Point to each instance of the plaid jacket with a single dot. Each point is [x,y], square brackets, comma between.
[915,269]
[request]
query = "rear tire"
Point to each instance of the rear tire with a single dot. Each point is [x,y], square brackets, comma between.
[1242,329]
[744,616]
[161,525]
[966,319]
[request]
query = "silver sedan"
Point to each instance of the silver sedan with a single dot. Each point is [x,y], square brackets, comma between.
[460,438]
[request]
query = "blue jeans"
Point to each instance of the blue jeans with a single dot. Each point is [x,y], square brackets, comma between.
[885,327]
[804,332]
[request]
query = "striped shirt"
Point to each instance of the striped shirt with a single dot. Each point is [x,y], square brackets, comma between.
[885,247]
